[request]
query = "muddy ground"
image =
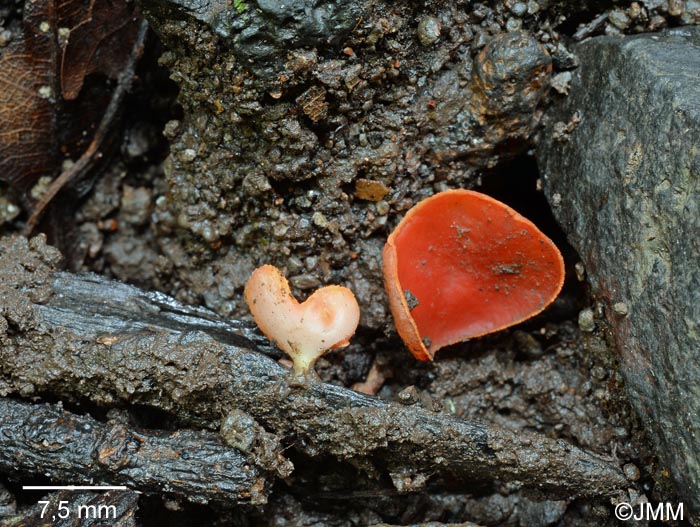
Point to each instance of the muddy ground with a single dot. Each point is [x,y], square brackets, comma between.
[307,158]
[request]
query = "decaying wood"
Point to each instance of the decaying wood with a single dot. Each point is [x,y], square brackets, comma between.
[116,508]
[112,343]
[46,441]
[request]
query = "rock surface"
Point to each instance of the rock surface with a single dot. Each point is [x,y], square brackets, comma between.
[621,164]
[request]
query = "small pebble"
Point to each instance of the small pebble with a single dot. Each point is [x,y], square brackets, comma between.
[621,432]
[599,373]
[634,10]
[305,282]
[561,82]
[320,220]
[5,37]
[675,7]
[45,92]
[428,30]
[514,24]
[532,7]
[170,129]
[586,320]
[408,395]
[238,430]
[619,19]
[188,155]
[382,208]
[280,230]
[135,205]
[656,23]
[518,8]
[620,309]
[256,184]
[631,471]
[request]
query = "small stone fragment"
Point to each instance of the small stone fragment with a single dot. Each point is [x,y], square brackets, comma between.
[256,184]
[631,471]
[382,208]
[188,155]
[370,190]
[561,82]
[620,309]
[619,19]
[8,210]
[5,37]
[411,299]
[238,430]
[45,92]
[40,188]
[514,24]
[518,8]
[320,220]
[586,320]
[136,205]
[428,30]
[408,395]
[305,281]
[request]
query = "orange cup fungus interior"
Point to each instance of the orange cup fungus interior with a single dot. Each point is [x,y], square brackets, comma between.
[462,264]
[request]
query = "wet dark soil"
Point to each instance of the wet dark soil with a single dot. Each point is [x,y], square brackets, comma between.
[307,162]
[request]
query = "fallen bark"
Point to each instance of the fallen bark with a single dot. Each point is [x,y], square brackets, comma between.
[99,352]
[116,508]
[46,441]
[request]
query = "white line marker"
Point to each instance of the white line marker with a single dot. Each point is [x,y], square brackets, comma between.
[74,487]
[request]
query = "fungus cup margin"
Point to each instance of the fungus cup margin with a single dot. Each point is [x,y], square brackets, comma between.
[519,235]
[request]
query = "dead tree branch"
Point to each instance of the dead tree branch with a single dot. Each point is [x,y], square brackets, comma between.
[98,339]
[46,441]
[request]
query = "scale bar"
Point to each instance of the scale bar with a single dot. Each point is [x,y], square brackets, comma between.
[74,487]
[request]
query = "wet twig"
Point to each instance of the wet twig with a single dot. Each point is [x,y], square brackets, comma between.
[70,449]
[200,379]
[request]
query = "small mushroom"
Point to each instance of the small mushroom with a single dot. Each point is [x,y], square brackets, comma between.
[462,264]
[326,320]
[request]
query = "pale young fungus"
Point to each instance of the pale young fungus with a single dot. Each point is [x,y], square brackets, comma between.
[326,320]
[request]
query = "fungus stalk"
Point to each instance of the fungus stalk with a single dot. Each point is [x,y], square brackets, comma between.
[326,320]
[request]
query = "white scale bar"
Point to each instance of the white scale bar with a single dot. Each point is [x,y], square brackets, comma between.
[74,487]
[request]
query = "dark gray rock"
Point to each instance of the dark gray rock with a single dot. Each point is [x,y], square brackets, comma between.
[621,163]
[261,30]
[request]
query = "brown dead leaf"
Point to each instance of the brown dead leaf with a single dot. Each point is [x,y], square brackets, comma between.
[43,69]
[313,102]
[100,36]
[27,99]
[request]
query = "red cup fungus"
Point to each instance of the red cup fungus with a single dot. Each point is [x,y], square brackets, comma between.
[326,320]
[462,264]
